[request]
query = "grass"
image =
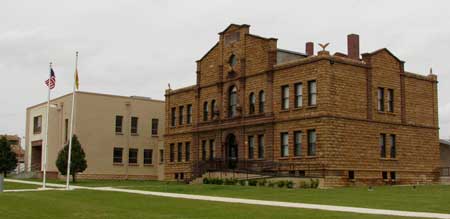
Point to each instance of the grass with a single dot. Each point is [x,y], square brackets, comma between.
[11,186]
[81,204]
[430,198]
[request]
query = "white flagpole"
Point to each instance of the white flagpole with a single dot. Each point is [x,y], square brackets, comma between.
[69,158]
[46,131]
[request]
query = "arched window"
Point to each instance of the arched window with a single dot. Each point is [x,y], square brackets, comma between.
[232,101]
[252,103]
[205,111]
[232,61]
[213,108]
[262,101]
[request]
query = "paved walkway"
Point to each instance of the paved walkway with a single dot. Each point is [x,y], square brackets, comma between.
[257,202]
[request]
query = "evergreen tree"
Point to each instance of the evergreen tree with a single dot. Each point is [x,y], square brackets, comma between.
[78,162]
[8,159]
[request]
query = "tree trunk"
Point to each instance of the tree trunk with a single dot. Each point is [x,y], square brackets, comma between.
[73,177]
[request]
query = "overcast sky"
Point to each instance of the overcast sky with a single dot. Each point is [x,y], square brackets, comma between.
[137,47]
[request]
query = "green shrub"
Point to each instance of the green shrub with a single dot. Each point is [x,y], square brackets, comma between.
[281,184]
[289,184]
[206,181]
[271,184]
[305,185]
[230,181]
[252,182]
[262,182]
[314,183]
[242,182]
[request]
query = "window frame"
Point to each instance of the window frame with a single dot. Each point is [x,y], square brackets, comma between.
[187,151]
[312,142]
[180,152]
[161,155]
[312,93]
[148,156]
[298,87]
[173,116]
[298,143]
[155,124]
[204,142]
[390,100]
[37,124]
[205,111]
[189,114]
[382,145]
[262,101]
[132,151]
[393,151]
[117,159]
[212,150]
[380,99]
[251,103]
[261,149]
[285,97]
[213,108]
[251,147]
[232,101]
[172,152]
[284,146]
[119,124]
[180,115]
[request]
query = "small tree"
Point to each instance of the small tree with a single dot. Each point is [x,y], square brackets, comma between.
[8,159]
[78,162]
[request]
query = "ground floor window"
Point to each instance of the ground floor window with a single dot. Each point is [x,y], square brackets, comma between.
[132,156]
[117,155]
[180,152]
[312,142]
[148,155]
[251,147]
[260,146]
[284,144]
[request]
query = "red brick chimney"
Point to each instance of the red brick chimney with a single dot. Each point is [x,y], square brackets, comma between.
[353,46]
[309,48]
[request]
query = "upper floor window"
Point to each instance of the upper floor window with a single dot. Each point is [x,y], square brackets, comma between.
[284,144]
[232,101]
[117,155]
[119,120]
[132,156]
[180,115]
[251,147]
[155,126]
[380,95]
[37,124]
[189,114]
[148,156]
[173,116]
[285,97]
[213,108]
[134,125]
[312,93]
[383,145]
[205,111]
[187,151]
[298,95]
[393,146]
[233,60]
[390,100]
[312,142]
[252,103]
[297,143]
[262,101]
[260,146]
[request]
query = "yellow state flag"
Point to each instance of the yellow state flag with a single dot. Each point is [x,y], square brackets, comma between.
[77,83]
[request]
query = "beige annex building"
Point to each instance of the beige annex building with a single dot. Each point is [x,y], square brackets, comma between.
[121,136]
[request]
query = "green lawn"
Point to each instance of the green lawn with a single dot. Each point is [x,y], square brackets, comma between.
[10,186]
[431,198]
[81,204]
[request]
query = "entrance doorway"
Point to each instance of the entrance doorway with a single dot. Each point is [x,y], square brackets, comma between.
[231,151]
[36,157]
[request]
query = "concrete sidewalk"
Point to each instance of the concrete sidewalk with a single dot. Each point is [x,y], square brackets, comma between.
[258,202]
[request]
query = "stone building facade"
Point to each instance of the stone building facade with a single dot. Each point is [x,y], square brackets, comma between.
[346,118]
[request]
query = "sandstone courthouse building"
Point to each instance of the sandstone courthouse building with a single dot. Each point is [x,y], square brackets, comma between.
[345,118]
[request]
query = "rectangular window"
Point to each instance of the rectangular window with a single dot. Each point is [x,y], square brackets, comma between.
[180,152]
[393,146]
[351,175]
[391,100]
[298,95]
[187,152]
[204,150]
[155,126]
[148,156]
[251,147]
[312,93]
[173,116]
[133,156]
[189,114]
[284,144]
[285,97]
[161,156]
[205,111]
[37,124]
[297,143]
[393,176]
[180,117]
[66,130]
[119,120]
[384,175]
[312,142]
[172,152]
[261,146]
[383,145]
[380,98]
[211,149]
[117,155]
[134,125]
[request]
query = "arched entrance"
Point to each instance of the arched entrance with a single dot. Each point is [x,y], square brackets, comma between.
[231,151]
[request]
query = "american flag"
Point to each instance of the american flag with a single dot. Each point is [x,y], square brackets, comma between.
[51,82]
